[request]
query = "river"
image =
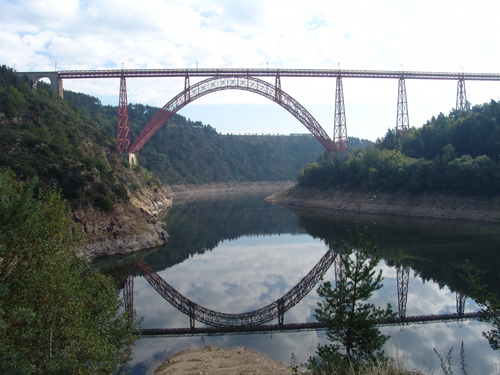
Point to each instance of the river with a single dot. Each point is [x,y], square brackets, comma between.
[237,253]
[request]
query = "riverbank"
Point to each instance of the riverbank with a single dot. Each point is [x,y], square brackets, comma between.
[421,205]
[180,192]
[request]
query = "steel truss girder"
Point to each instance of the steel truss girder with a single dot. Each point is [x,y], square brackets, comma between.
[402,121]
[403,278]
[298,327]
[128,295]
[263,315]
[461,96]
[219,83]
[123,129]
[319,73]
[339,123]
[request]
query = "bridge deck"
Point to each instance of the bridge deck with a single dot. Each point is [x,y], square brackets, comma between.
[137,73]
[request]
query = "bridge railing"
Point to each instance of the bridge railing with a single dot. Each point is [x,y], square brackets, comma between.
[209,72]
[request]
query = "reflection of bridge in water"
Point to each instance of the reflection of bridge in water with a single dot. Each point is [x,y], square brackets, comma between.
[295,327]
[254,321]
[257,317]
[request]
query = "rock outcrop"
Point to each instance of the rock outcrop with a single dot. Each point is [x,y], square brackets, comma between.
[130,226]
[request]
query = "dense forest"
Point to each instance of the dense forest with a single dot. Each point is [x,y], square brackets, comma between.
[458,153]
[190,152]
[47,137]
[58,315]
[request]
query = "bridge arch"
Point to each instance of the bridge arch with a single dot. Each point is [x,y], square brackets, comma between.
[55,82]
[228,82]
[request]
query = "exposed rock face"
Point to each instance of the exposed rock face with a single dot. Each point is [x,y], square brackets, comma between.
[155,202]
[130,226]
[422,205]
[134,225]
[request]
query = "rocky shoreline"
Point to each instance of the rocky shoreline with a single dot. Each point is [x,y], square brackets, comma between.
[134,225]
[403,204]
[129,227]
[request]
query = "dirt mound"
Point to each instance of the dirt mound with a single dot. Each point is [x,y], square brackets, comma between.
[212,360]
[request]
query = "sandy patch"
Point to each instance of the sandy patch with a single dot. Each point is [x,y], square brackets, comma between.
[212,360]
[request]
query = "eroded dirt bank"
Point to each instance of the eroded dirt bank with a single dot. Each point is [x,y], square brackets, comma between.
[129,227]
[186,191]
[212,360]
[421,205]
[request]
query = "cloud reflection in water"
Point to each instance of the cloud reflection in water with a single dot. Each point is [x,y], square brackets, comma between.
[250,272]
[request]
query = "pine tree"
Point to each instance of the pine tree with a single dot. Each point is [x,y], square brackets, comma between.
[354,337]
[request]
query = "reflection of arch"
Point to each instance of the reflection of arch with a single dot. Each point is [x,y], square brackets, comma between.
[403,279]
[219,83]
[251,318]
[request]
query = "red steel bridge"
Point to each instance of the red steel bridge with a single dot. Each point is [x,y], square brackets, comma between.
[251,80]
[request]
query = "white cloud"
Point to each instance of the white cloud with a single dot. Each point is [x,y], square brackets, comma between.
[424,35]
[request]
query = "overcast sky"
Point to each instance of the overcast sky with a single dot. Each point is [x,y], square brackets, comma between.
[445,35]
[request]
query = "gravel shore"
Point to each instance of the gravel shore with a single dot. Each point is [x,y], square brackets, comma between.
[212,360]
[419,205]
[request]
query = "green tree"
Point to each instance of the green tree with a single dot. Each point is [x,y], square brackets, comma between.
[352,323]
[58,315]
[489,304]
[11,101]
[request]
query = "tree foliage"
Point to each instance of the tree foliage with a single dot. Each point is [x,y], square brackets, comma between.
[44,136]
[352,322]
[57,314]
[452,154]
[489,304]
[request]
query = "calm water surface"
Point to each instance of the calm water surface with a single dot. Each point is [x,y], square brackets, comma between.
[239,253]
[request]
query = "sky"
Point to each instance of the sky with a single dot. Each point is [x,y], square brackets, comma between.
[417,35]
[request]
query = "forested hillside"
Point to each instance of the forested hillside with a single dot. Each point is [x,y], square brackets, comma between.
[187,152]
[44,136]
[58,315]
[458,153]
